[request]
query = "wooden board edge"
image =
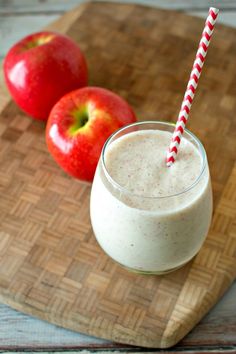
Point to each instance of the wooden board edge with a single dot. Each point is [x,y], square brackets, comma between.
[173,334]
[63,23]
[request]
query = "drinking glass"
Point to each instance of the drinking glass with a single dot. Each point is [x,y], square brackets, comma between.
[150,235]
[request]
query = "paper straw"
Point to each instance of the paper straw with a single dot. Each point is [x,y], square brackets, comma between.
[192,85]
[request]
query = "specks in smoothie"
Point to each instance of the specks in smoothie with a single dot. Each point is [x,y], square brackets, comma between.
[137,162]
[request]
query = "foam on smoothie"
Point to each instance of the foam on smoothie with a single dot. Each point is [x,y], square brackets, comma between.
[137,162]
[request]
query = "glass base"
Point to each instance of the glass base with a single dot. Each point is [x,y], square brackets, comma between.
[163,272]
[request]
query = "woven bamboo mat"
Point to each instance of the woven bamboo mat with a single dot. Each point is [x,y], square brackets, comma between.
[50,263]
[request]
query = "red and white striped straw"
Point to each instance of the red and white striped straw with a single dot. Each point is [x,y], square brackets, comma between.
[192,85]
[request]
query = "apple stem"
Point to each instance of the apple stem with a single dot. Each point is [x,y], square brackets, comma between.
[81,117]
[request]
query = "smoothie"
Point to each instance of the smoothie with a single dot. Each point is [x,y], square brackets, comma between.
[146,216]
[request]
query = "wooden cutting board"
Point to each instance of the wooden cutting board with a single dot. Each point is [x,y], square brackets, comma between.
[50,263]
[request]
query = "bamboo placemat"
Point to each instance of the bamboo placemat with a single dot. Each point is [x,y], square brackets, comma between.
[50,263]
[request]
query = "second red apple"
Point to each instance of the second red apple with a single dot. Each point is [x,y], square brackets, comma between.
[79,125]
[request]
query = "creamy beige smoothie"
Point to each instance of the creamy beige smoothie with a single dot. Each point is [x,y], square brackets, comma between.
[145,215]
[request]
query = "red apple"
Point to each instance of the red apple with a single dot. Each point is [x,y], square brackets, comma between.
[79,125]
[41,68]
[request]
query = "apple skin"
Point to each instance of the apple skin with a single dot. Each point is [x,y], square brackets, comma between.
[80,123]
[41,68]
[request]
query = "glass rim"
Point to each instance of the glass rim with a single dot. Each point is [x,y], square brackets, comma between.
[127,191]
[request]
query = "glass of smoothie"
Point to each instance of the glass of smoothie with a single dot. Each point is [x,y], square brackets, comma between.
[148,217]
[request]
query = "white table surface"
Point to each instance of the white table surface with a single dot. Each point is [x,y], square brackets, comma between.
[19,332]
